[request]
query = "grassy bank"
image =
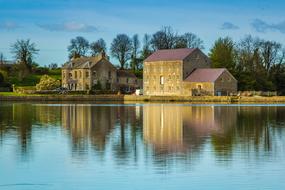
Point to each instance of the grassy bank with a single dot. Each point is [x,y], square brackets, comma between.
[33,79]
[10,96]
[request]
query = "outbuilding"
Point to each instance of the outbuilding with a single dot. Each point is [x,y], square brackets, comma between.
[211,81]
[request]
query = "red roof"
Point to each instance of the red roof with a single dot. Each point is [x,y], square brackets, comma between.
[205,75]
[170,54]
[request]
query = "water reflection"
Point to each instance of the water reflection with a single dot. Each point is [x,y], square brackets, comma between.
[157,133]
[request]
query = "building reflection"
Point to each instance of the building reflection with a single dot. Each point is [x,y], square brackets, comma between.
[157,132]
[88,123]
[180,128]
[100,126]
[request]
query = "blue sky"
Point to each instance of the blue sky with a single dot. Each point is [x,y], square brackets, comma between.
[52,23]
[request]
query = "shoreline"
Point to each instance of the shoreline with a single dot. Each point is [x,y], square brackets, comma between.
[133,98]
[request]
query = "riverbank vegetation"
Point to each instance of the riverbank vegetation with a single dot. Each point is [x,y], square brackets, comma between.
[26,72]
[258,64]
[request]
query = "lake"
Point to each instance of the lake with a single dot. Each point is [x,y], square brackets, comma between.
[141,146]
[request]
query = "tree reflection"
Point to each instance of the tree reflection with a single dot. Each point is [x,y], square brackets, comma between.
[163,134]
[19,119]
[99,126]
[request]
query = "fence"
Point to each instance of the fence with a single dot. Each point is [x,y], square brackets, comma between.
[257,93]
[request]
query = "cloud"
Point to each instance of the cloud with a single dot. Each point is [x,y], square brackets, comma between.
[8,25]
[69,27]
[262,26]
[229,26]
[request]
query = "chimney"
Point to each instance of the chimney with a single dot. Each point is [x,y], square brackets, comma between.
[103,54]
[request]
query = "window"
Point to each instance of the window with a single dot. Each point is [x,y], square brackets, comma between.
[87,74]
[161,80]
[75,74]
[70,75]
[63,75]
[94,74]
[199,87]
[127,80]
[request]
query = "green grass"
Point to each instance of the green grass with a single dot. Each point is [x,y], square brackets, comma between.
[13,94]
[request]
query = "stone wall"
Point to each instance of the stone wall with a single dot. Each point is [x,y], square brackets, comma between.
[165,78]
[105,73]
[195,60]
[192,88]
[162,78]
[226,84]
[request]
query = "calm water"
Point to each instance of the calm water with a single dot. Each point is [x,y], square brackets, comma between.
[151,146]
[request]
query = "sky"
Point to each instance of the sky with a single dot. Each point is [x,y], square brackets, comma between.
[51,24]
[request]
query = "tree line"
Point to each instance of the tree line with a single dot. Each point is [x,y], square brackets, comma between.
[129,51]
[256,63]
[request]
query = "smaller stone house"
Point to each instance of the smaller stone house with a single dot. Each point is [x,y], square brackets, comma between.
[126,81]
[97,72]
[213,82]
[87,72]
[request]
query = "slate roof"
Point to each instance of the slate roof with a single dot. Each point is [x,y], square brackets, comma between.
[82,63]
[205,75]
[170,55]
[125,73]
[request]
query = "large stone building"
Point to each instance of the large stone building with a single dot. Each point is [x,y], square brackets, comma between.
[167,72]
[97,72]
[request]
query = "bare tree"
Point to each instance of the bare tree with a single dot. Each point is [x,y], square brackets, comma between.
[98,47]
[2,58]
[135,51]
[78,47]
[248,58]
[121,49]
[146,49]
[270,52]
[189,40]
[164,39]
[24,52]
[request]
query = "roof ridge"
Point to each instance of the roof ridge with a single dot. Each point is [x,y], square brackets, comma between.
[170,54]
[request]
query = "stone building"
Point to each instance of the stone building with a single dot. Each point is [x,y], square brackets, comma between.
[165,70]
[214,82]
[165,73]
[83,73]
[127,81]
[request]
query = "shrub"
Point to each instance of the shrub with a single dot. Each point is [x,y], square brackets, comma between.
[1,78]
[47,83]
[97,86]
